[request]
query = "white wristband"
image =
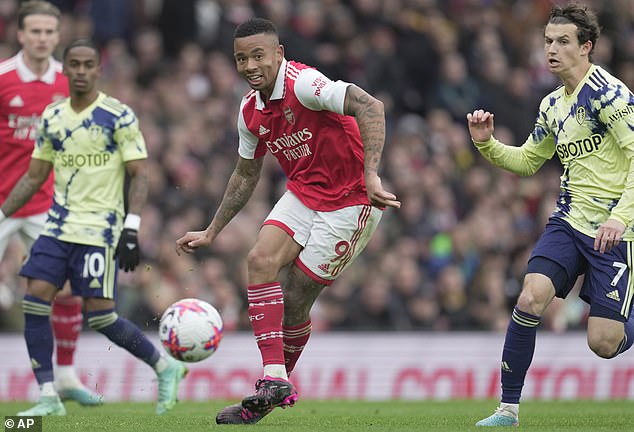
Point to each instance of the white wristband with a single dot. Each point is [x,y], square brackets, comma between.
[2,215]
[132,221]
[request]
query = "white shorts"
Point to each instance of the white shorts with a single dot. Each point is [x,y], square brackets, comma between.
[28,228]
[331,240]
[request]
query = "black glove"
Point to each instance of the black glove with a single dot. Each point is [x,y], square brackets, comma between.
[128,250]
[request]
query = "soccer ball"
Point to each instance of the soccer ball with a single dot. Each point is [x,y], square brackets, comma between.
[190,330]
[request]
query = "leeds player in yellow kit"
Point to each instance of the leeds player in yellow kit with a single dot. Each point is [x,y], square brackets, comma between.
[90,140]
[588,123]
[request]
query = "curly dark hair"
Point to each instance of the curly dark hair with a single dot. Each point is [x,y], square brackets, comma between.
[579,15]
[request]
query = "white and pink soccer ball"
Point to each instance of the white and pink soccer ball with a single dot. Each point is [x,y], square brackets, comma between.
[190,330]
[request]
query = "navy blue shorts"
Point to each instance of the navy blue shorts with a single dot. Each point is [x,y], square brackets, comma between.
[91,270]
[607,284]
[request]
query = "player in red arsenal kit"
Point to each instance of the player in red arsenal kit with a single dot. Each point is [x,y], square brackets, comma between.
[30,81]
[328,138]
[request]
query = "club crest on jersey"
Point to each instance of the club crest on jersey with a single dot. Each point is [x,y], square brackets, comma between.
[94,131]
[57,96]
[580,115]
[288,113]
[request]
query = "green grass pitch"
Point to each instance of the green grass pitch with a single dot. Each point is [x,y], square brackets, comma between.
[343,416]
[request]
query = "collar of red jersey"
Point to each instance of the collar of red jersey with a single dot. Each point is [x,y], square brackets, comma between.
[26,75]
[278,91]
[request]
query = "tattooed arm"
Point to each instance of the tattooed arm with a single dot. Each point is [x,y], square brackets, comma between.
[26,187]
[239,189]
[370,117]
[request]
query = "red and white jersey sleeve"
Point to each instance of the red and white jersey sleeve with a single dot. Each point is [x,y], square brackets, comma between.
[303,126]
[248,141]
[23,97]
[318,93]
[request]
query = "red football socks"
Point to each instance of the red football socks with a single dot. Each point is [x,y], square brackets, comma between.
[67,321]
[266,310]
[295,339]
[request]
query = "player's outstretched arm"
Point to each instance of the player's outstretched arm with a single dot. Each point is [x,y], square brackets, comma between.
[241,184]
[481,125]
[370,116]
[524,160]
[26,187]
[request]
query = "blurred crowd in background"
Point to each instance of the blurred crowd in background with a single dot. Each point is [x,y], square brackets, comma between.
[453,256]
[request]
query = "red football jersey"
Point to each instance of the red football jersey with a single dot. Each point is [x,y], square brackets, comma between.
[23,97]
[303,126]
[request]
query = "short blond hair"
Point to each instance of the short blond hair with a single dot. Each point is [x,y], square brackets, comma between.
[36,7]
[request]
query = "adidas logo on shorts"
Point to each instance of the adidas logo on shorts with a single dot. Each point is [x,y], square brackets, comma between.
[614,295]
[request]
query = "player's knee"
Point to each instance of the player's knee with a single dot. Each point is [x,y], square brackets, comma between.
[529,303]
[602,348]
[42,290]
[536,294]
[605,331]
[603,342]
[259,262]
